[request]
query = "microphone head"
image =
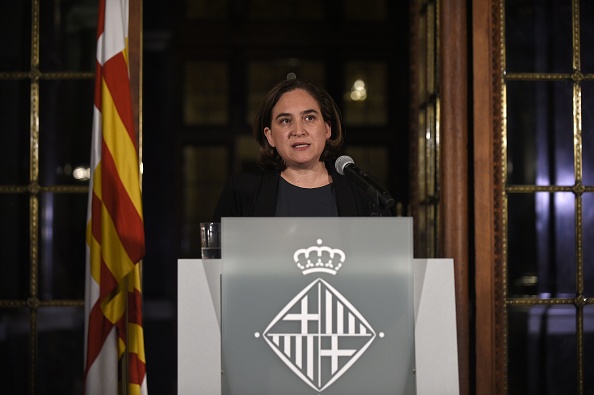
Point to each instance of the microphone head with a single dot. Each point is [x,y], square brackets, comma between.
[342,162]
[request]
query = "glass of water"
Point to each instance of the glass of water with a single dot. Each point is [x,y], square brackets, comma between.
[210,240]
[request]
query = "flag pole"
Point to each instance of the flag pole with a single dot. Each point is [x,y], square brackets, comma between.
[125,361]
[134,69]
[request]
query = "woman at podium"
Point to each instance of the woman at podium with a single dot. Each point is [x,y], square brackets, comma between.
[299,131]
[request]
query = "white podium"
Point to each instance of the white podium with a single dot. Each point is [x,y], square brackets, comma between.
[199,331]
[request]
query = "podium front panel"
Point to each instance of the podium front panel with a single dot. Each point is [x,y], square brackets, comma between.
[317,305]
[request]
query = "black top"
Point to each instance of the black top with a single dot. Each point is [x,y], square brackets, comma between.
[256,194]
[294,201]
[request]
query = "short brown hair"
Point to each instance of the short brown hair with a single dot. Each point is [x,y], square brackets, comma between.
[269,157]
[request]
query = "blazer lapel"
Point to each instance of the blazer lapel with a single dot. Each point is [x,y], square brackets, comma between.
[345,200]
[265,205]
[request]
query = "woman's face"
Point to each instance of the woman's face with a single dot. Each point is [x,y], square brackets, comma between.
[298,131]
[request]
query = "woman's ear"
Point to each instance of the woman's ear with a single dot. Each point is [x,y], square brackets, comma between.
[268,134]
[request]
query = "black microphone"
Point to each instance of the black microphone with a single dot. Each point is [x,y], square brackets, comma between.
[345,165]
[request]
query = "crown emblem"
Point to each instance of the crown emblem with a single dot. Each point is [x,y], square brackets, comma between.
[319,259]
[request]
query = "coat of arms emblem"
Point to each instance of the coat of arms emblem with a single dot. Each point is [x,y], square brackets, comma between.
[319,334]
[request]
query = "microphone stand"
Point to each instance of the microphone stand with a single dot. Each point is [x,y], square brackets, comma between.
[377,208]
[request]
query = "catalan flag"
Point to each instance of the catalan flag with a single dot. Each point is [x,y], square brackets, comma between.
[114,342]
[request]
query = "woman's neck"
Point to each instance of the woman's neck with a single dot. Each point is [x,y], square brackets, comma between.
[307,178]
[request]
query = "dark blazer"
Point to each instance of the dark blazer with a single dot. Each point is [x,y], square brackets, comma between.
[255,195]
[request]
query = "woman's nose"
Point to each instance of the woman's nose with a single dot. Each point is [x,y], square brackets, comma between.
[299,129]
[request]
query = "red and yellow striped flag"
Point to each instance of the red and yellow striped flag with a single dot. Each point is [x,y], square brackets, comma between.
[114,342]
